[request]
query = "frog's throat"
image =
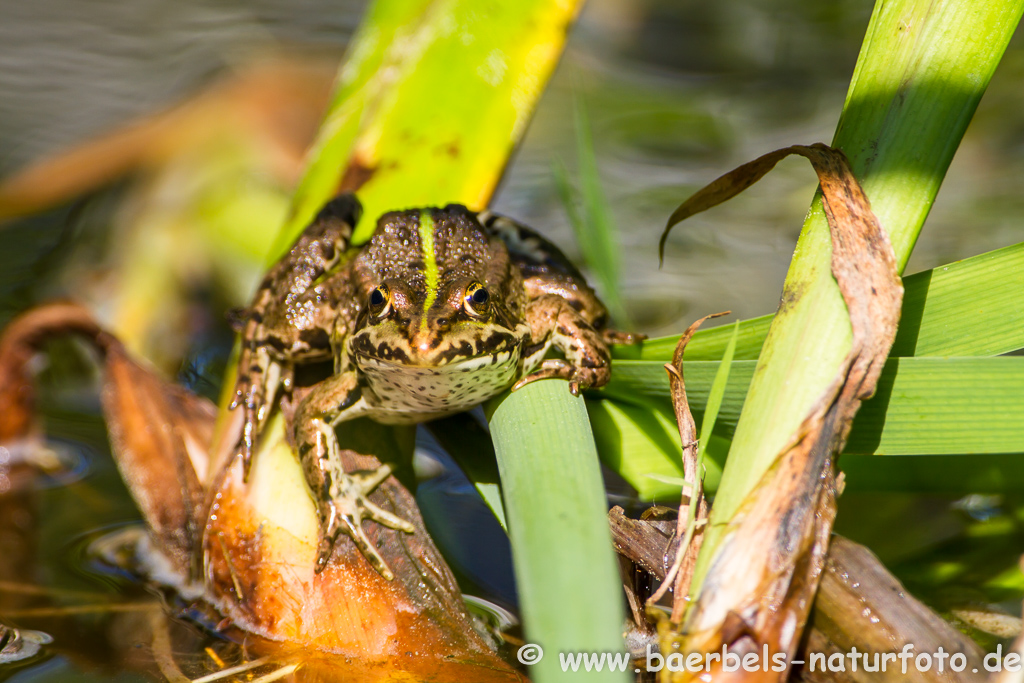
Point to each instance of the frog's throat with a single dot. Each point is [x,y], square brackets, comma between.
[426,229]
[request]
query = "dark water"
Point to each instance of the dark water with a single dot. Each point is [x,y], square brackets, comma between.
[677,93]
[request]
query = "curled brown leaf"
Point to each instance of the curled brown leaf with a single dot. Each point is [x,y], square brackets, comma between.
[762,580]
[693,510]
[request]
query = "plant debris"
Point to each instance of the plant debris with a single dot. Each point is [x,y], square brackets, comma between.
[760,585]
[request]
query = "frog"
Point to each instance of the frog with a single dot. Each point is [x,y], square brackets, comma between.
[442,309]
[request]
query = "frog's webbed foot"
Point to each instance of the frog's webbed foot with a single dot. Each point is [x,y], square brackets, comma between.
[624,338]
[345,511]
[342,497]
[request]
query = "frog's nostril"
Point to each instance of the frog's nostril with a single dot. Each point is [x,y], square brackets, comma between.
[442,322]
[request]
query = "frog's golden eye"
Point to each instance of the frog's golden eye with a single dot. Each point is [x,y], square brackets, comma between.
[380,301]
[477,299]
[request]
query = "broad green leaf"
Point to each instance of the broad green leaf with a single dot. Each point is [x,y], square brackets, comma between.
[430,104]
[954,474]
[556,508]
[386,27]
[973,307]
[922,406]
[640,443]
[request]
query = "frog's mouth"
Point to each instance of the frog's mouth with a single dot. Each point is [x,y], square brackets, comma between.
[451,351]
[498,361]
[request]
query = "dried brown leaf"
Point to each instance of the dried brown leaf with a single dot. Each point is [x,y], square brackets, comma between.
[761,583]
[23,339]
[685,559]
[859,605]
[160,432]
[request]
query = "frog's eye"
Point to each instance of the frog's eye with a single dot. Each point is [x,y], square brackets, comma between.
[477,299]
[380,301]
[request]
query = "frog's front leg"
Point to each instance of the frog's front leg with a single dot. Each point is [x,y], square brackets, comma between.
[342,497]
[587,361]
[289,315]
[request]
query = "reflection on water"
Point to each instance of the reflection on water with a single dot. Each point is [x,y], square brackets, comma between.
[676,92]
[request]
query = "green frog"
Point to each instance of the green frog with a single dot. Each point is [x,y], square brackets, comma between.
[442,309]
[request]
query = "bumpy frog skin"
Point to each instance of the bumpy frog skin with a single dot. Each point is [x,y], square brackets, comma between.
[441,310]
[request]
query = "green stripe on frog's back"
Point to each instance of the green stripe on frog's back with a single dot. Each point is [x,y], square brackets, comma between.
[426,230]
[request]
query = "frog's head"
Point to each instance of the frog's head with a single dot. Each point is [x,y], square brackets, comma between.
[458,320]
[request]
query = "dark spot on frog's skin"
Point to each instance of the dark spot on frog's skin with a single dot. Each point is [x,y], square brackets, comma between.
[328,251]
[463,350]
[275,343]
[316,337]
[588,363]
[238,317]
[564,331]
[494,342]
[532,349]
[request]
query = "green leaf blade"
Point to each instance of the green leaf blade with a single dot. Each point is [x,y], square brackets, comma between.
[973,307]
[566,572]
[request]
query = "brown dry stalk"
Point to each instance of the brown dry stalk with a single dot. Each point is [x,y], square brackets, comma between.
[689,524]
[761,583]
[859,605]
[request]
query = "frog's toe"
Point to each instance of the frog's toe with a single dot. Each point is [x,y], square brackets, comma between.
[354,530]
[588,378]
[388,519]
[578,377]
[345,512]
[330,527]
[362,485]
[622,338]
[248,441]
[552,368]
